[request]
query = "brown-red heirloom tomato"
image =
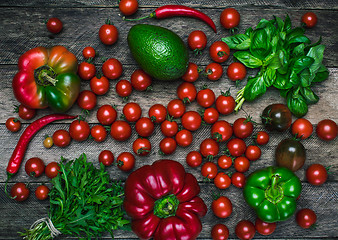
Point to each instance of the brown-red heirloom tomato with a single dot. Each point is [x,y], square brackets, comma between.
[276,117]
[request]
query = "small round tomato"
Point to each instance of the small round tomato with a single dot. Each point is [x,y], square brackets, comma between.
[176,108]
[157,113]
[302,128]
[221,130]
[194,159]
[34,167]
[108,34]
[123,88]
[184,138]
[219,232]
[52,169]
[106,157]
[87,100]
[245,230]
[209,147]
[210,115]
[99,133]
[230,18]
[144,127]
[99,86]
[219,51]
[253,152]
[140,80]
[222,180]
[48,142]
[41,192]
[236,147]
[112,68]
[191,120]
[167,145]
[238,179]
[86,70]
[19,192]
[224,162]
[106,114]
[187,92]
[54,25]
[221,207]
[327,130]
[79,130]
[61,138]
[264,228]
[141,146]
[241,164]
[26,113]
[13,124]
[125,161]
[276,117]
[214,71]
[316,174]
[262,138]
[209,170]
[309,19]
[128,7]
[242,127]
[236,71]
[120,130]
[306,217]
[225,103]
[88,52]
[169,128]
[132,111]
[205,97]
[192,73]
[197,40]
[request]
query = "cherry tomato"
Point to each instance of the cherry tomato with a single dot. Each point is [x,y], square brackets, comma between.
[245,230]
[112,68]
[230,18]
[221,207]
[86,70]
[316,174]
[222,180]
[123,88]
[241,164]
[41,192]
[120,130]
[79,130]
[106,114]
[276,117]
[197,40]
[309,19]
[306,217]
[128,7]
[13,124]
[253,152]
[302,128]
[125,161]
[205,97]
[99,133]
[106,157]
[194,159]
[187,92]
[219,51]
[157,113]
[48,142]
[262,138]
[209,147]
[224,162]
[264,228]
[176,108]
[221,131]
[238,179]
[34,167]
[132,111]
[225,103]
[52,169]
[210,115]
[140,80]
[327,130]
[209,170]
[54,25]
[219,232]
[61,138]
[26,113]
[191,120]
[108,34]
[167,146]
[192,73]
[214,71]
[236,71]
[242,128]
[19,192]
[141,146]
[236,147]
[86,100]
[88,52]
[144,127]
[99,86]
[169,128]
[184,138]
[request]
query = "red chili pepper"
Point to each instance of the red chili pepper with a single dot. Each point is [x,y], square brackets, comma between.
[167,11]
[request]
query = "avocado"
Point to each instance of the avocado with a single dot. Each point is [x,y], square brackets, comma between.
[160,52]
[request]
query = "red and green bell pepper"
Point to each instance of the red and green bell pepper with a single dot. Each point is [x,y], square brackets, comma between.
[47,77]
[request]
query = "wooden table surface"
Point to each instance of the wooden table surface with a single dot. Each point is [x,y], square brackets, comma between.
[22,28]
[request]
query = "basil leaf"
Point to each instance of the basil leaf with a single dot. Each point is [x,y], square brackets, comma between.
[296,104]
[280,23]
[314,44]
[269,76]
[305,77]
[238,41]
[260,44]
[248,31]
[247,59]
[317,54]
[282,35]
[254,88]
[309,96]
[301,63]
[287,24]
[296,32]
[283,59]
[284,92]
[299,39]
[274,62]
[321,75]
[294,79]
[282,81]
[262,23]
[298,50]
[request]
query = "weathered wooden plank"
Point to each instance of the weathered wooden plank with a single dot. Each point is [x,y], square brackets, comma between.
[25,29]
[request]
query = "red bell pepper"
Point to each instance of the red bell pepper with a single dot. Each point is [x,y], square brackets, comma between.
[162,201]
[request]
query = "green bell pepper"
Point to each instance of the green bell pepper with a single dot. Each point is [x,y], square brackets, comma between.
[272,192]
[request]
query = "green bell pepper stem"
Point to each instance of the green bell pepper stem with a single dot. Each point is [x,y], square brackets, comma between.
[274,193]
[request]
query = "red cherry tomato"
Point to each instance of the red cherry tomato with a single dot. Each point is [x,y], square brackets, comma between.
[184,138]
[210,115]
[225,103]
[241,164]
[209,170]
[327,130]
[88,52]
[41,192]
[219,51]
[236,147]
[126,161]
[79,130]
[242,127]
[120,130]
[99,133]
[99,86]
[192,73]
[309,19]
[140,80]
[209,147]
[176,108]
[262,138]
[86,100]
[302,128]
[86,70]
[221,131]
[26,113]
[106,114]
[61,138]
[19,192]
[264,228]
[245,230]
[144,127]
[238,179]
[230,18]
[169,128]
[13,124]
[316,174]
[194,159]
[191,120]
[106,157]
[141,146]
[52,169]
[222,207]
[236,71]
[197,40]
[123,88]
[219,232]
[132,111]
[205,97]
[214,71]
[108,34]
[253,152]
[34,167]
[167,146]
[186,92]
[157,113]
[224,162]
[128,7]
[222,180]
[112,68]
[54,25]
[306,217]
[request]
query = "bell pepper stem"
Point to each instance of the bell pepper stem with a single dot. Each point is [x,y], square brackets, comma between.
[274,193]
[166,206]
[45,76]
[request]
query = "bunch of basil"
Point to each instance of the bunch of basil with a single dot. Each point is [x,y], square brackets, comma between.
[287,60]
